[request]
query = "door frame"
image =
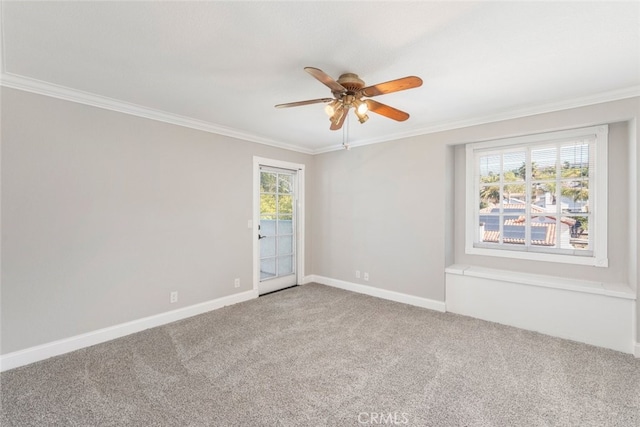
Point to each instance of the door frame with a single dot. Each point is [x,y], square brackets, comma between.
[300,214]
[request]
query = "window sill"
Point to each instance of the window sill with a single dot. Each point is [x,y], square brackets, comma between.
[617,290]
[539,256]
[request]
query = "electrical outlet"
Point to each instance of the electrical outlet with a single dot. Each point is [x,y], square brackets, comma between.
[174,297]
[357,274]
[236,283]
[366,277]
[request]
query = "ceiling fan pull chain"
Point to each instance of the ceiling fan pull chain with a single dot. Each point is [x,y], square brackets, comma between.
[345,135]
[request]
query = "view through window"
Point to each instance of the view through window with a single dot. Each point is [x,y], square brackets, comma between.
[537,194]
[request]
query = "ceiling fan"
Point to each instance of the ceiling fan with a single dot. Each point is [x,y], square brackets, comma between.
[349,90]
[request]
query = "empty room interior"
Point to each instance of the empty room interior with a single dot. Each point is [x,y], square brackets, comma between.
[320,213]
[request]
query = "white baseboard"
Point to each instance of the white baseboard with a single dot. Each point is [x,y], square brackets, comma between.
[307,279]
[66,345]
[636,352]
[377,292]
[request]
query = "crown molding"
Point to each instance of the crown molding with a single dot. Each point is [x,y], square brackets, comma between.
[49,89]
[40,87]
[614,95]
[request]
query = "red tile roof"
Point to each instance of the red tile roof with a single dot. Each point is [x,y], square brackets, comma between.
[550,236]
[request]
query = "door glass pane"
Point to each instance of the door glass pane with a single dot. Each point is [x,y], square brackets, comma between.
[267,203]
[267,268]
[285,204]
[268,182]
[285,224]
[284,184]
[268,247]
[285,265]
[285,245]
[267,227]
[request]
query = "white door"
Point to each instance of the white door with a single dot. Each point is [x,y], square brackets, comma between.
[277,227]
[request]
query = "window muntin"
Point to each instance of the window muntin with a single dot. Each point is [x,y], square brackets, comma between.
[539,197]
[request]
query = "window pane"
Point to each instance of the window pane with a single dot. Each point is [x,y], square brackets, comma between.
[514,165]
[490,168]
[578,232]
[488,228]
[514,194]
[575,196]
[514,228]
[545,191]
[538,195]
[575,158]
[565,233]
[268,182]
[544,163]
[489,194]
[543,230]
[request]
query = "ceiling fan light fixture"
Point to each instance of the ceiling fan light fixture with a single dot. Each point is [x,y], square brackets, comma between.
[362,117]
[361,107]
[339,112]
[332,107]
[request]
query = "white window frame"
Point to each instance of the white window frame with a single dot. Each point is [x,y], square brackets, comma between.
[597,198]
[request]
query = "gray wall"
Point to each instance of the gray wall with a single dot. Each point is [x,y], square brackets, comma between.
[397,209]
[103,214]
[381,209]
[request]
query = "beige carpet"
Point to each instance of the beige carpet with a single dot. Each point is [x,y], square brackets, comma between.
[316,356]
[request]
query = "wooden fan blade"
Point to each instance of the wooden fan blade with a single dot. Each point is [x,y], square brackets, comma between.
[337,125]
[299,103]
[392,86]
[325,79]
[385,110]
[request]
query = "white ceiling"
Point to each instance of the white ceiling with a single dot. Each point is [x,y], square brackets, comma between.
[222,66]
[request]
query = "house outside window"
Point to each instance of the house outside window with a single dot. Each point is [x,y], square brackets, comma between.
[539,197]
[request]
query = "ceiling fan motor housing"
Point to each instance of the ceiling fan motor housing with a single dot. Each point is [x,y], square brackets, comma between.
[351,82]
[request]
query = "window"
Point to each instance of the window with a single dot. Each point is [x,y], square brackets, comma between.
[540,197]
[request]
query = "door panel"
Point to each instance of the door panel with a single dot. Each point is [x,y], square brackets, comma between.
[277,229]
